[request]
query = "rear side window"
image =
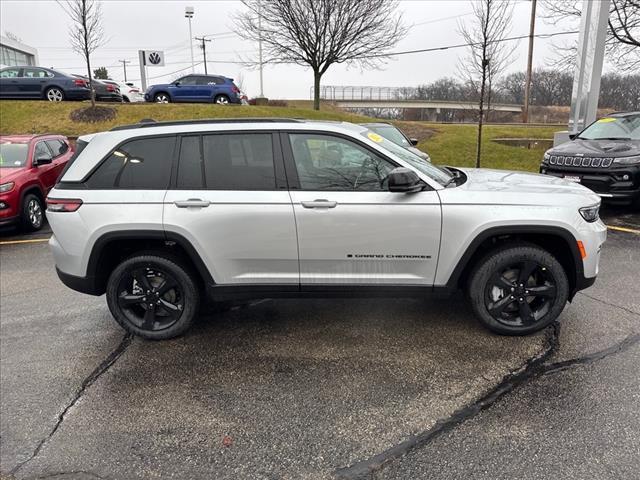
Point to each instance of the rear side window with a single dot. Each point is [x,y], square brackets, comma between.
[138,164]
[80,145]
[227,162]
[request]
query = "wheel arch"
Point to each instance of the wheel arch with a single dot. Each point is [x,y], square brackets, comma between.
[560,242]
[113,247]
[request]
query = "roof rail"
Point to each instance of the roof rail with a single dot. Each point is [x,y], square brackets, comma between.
[149,122]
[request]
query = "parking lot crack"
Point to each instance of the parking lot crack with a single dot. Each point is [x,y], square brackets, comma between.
[532,367]
[604,302]
[86,383]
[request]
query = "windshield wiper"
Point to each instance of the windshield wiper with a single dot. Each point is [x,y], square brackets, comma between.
[612,138]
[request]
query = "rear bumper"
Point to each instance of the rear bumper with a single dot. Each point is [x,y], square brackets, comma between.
[78,94]
[86,285]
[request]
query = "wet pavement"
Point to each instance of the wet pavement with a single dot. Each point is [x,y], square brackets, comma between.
[318,388]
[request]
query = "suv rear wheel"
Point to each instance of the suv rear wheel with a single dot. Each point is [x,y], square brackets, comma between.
[153,296]
[162,98]
[518,290]
[221,100]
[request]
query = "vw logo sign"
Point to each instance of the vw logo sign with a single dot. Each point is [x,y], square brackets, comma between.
[155,58]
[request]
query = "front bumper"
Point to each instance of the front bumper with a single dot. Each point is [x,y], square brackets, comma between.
[610,183]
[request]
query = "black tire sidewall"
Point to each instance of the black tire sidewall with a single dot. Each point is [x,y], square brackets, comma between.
[182,275]
[503,258]
[26,222]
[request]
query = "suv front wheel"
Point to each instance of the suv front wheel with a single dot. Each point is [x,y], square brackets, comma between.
[518,290]
[153,296]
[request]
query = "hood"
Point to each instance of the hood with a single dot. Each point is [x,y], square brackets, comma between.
[517,188]
[598,148]
[9,174]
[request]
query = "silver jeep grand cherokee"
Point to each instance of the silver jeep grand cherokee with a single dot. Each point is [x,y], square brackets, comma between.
[161,216]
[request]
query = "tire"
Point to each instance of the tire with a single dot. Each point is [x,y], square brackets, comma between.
[171,286]
[54,94]
[125,99]
[32,216]
[518,290]
[221,100]
[162,98]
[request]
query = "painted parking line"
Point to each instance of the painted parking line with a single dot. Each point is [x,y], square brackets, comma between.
[623,229]
[31,240]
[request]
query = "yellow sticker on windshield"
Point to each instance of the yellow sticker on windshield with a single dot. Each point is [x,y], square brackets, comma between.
[606,120]
[375,137]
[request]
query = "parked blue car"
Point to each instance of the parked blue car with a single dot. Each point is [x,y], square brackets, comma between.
[195,88]
[41,83]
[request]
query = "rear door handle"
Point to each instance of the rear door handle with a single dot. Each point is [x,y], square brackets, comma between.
[192,202]
[319,203]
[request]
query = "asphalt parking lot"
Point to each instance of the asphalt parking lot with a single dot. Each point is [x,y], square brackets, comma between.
[319,388]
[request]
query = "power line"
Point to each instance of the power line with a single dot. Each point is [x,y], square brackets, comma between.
[461,45]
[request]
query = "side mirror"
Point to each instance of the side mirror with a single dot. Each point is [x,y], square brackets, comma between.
[404,180]
[572,136]
[414,141]
[177,84]
[42,160]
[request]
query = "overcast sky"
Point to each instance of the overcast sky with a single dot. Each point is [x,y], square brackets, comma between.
[132,25]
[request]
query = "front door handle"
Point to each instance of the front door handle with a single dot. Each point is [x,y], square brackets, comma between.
[319,203]
[192,202]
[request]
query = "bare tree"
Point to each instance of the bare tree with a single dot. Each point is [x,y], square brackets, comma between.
[320,33]
[623,32]
[85,34]
[488,53]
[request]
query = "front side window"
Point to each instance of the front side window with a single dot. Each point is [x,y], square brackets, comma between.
[36,73]
[58,147]
[186,81]
[42,151]
[325,162]
[227,162]
[138,164]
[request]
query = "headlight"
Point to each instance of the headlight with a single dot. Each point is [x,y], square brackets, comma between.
[5,187]
[590,214]
[627,160]
[546,158]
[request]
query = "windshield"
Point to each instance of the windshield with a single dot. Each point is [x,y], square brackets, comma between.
[13,154]
[391,133]
[614,128]
[434,172]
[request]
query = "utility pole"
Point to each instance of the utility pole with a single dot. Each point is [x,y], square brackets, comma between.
[527,81]
[124,65]
[188,13]
[204,50]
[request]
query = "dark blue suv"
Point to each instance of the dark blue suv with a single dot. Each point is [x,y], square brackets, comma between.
[195,88]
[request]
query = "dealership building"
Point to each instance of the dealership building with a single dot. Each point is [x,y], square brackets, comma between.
[13,52]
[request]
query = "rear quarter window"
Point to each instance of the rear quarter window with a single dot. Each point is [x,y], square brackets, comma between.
[137,164]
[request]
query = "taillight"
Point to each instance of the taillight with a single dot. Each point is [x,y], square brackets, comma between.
[63,205]
[135,90]
[235,89]
[80,83]
[111,88]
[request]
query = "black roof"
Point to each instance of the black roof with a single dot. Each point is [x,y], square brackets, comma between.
[150,122]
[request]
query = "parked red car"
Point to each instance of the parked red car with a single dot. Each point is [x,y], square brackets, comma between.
[29,168]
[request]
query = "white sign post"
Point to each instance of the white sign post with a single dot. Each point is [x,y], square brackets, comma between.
[149,58]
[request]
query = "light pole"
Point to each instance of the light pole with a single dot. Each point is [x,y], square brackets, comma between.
[260,47]
[188,13]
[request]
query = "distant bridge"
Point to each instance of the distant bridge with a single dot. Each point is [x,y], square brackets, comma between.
[397,97]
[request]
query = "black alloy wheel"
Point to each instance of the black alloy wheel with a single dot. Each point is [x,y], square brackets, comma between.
[518,289]
[155,297]
[521,294]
